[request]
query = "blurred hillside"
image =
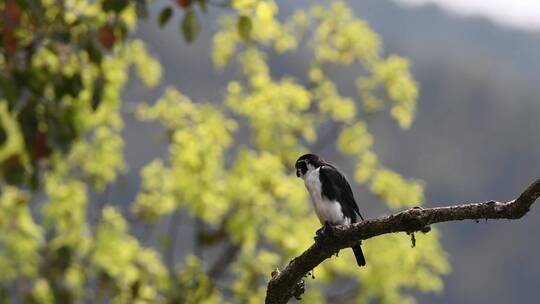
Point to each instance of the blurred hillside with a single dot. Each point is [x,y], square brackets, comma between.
[475,136]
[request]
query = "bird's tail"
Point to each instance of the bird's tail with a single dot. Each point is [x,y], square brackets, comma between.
[359,255]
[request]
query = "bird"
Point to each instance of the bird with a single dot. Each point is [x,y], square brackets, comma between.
[331,196]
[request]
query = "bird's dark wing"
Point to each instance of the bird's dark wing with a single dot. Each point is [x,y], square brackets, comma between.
[336,187]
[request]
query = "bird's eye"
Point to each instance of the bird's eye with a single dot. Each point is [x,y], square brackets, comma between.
[301,168]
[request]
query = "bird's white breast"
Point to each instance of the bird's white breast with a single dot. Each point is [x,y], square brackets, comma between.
[325,209]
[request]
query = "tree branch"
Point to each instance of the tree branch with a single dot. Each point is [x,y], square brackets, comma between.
[173,235]
[284,284]
[224,261]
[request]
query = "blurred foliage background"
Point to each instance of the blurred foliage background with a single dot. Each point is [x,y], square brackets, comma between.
[218,206]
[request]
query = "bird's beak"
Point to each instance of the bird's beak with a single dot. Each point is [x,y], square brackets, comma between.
[297,172]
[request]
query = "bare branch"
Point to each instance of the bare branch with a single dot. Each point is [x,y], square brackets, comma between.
[283,283]
[224,261]
[173,235]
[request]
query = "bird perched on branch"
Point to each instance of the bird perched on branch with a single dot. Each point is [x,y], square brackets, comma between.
[331,196]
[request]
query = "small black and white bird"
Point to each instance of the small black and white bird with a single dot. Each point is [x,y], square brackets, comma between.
[331,195]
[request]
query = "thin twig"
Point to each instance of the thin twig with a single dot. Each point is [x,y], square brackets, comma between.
[223,261]
[173,235]
[197,246]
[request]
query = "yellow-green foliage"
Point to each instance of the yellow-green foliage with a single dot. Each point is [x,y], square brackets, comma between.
[65,210]
[243,188]
[194,286]
[200,134]
[392,74]
[100,157]
[13,144]
[118,256]
[20,237]
[335,37]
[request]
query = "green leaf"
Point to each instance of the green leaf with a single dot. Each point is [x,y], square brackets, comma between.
[94,54]
[8,89]
[97,92]
[114,5]
[68,85]
[203,4]
[13,171]
[165,15]
[63,36]
[244,27]
[190,26]
[3,136]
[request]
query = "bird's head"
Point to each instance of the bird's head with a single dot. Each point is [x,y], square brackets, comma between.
[307,163]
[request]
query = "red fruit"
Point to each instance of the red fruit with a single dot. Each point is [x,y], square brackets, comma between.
[40,149]
[12,18]
[106,36]
[12,161]
[184,3]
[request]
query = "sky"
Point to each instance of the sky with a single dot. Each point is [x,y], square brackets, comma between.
[522,14]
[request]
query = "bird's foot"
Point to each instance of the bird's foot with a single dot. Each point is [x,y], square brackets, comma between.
[325,231]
